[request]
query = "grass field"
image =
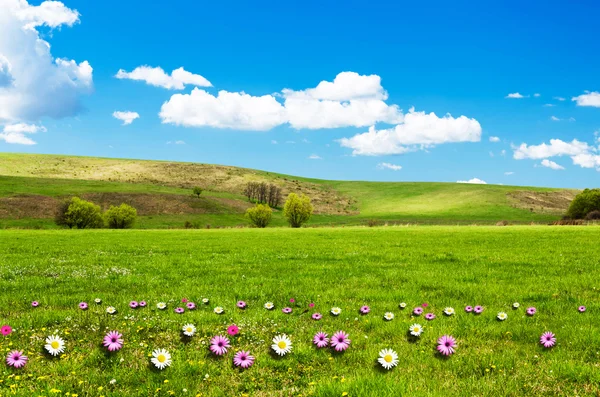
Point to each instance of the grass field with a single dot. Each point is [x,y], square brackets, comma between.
[554,269]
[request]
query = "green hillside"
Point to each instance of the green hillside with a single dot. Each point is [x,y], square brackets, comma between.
[31,186]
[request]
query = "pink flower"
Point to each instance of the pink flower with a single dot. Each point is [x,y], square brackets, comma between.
[429,316]
[292,300]
[219,345]
[133,304]
[531,311]
[321,340]
[143,304]
[478,309]
[548,339]
[16,359]
[184,300]
[446,345]
[365,309]
[113,341]
[5,330]
[317,316]
[35,303]
[179,310]
[287,310]
[83,306]
[190,305]
[417,311]
[469,309]
[243,359]
[233,330]
[425,304]
[241,304]
[581,309]
[340,341]
[311,305]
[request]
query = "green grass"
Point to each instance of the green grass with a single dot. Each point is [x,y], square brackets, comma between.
[552,268]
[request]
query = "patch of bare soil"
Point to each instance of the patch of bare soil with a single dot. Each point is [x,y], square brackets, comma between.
[27,206]
[551,202]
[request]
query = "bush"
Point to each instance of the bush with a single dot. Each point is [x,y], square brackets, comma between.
[79,214]
[372,222]
[584,203]
[121,217]
[260,216]
[297,209]
[593,216]
[197,191]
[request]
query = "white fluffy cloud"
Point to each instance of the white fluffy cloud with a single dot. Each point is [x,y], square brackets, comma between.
[494,139]
[157,77]
[315,157]
[32,83]
[551,164]
[556,147]
[515,95]
[475,181]
[588,99]
[16,133]
[587,160]
[419,130]
[126,117]
[389,166]
[345,87]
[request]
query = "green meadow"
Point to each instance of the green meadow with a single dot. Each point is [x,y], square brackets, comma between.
[554,269]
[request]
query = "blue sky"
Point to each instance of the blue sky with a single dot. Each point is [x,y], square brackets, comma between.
[459,58]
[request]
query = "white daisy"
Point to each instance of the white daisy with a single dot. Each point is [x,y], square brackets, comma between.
[282,345]
[161,305]
[502,316]
[189,330]
[336,311]
[55,345]
[269,305]
[449,311]
[389,316]
[402,305]
[219,310]
[111,310]
[98,301]
[516,305]
[415,330]
[161,358]
[205,301]
[388,358]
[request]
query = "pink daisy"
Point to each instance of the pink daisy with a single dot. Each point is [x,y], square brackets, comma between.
[321,340]
[548,339]
[219,345]
[531,311]
[113,341]
[446,345]
[143,304]
[16,359]
[241,304]
[179,310]
[425,304]
[311,305]
[469,309]
[5,330]
[340,341]
[365,309]
[429,316]
[478,309]
[184,300]
[287,310]
[133,304]
[233,330]
[417,311]
[292,300]
[83,306]
[317,316]
[35,303]
[581,309]
[243,359]
[190,305]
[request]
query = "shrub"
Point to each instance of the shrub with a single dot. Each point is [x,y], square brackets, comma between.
[121,217]
[593,216]
[584,203]
[373,223]
[260,216]
[297,209]
[79,214]
[197,191]
[60,218]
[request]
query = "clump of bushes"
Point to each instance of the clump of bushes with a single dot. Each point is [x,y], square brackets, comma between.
[260,216]
[297,209]
[584,203]
[121,217]
[81,214]
[593,216]
[263,193]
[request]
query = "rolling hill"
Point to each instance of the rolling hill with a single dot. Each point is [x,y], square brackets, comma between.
[31,186]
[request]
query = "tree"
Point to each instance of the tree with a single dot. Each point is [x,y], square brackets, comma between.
[60,218]
[79,214]
[197,191]
[584,203]
[263,193]
[121,217]
[260,216]
[297,209]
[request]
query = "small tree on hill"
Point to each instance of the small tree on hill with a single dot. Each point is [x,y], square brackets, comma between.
[60,218]
[79,214]
[121,217]
[584,203]
[260,216]
[197,191]
[297,209]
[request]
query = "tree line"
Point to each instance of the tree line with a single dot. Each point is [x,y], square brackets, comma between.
[263,193]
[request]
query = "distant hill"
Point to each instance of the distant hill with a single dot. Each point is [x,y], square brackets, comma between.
[31,186]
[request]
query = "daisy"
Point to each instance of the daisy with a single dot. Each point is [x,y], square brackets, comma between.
[184,300]
[161,305]
[581,309]
[97,301]
[401,306]
[55,345]
[111,310]
[218,310]
[429,316]
[269,305]
[425,304]
[531,311]
[233,330]
[446,345]
[321,340]
[282,345]
[417,311]
[311,305]
[292,300]
[189,330]
[16,359]
[548,339]
[205,301]
[6,330]
[317,316]
[365,309]
[516,305]
[219,345]
[478,309]
[83,306]
[449,311]
[113,341]
[161,358]
[133,304]
[502,316]
[415,330]
[35,303]
[179,310]
[389,316]
[287,310]
[190,305]
[143,304]
[241,304]
[468,309]
[340,341]
[336,311]
[243,359]
[388,358]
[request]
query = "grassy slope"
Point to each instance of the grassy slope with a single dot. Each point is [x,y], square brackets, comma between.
[553,269]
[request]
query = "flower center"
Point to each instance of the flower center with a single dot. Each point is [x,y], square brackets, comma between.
[161,358]
[388,358]
[55,345]
[282,345]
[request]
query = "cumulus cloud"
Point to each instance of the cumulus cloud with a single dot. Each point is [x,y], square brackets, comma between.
[515,95]
[16,133]
[507,173]
[314,157]
[588,99]
[475,181]
[157,77]
[389,166]
[494,139]
[126,117]
[554,118]
[556,147]
[536,95]
[551,164]
[419,130]
[33,84]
